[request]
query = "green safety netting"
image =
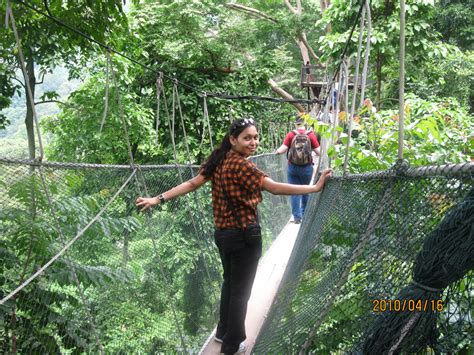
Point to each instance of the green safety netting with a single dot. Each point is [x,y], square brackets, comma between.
[130,282]
[383,263]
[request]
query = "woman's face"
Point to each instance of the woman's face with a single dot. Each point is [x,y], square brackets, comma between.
[246,142]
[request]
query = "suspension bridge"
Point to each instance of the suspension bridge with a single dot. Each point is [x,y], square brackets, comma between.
[382,263]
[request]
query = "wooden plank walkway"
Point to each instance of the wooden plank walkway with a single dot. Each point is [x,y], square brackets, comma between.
[269,273]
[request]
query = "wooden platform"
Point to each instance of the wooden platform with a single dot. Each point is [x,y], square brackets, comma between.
[269,273]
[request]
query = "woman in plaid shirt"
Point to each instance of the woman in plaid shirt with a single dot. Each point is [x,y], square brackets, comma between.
[237,186]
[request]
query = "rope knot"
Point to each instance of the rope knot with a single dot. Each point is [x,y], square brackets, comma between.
[400,166]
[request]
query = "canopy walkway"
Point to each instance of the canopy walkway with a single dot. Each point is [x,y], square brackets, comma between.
[366,240]
[383,262]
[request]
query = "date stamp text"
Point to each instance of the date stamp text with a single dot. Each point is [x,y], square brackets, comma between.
[387,305]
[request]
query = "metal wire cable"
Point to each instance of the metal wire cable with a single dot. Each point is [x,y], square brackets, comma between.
[354,94]
[401,91]
[366,52]
[346,46]
[206,119]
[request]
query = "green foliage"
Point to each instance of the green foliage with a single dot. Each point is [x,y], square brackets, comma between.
[45,44]
[436,132]
[215,58]
[455,23]
[86,106]
[163,277]
[34,317]
[433,68]
[447,73]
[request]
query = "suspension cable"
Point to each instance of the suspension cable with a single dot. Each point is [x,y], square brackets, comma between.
[122,116]
[401,91]
[346,46]
[367,52]
[197,201]
[354,93]
[206,119]
[159,88]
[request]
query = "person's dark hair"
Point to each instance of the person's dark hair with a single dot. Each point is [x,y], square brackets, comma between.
[219,153]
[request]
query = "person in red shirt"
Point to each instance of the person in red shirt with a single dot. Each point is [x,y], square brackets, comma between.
[237,186]
[299,174]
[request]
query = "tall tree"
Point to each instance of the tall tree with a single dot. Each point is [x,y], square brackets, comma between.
[46,44]
[455,21]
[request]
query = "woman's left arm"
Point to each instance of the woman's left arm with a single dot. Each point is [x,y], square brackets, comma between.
[279,188]
[188,186]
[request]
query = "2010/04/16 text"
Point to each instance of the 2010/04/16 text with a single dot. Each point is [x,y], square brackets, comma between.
[384,305]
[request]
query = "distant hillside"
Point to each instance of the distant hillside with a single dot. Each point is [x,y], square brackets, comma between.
[13,142]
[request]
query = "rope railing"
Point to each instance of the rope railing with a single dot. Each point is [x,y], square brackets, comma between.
[366,52]
[354,93]
[68,244]
[363,241]
[66,165]
[401,86]
[164,260]
[206,119]
[106,98]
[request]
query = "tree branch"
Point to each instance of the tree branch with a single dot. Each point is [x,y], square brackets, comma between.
[49,101]
[46,6]
[21,83]
[251,11]
[274,86]
[298,6]
[291,8]
[303,39]
[224,70]
[215,67]
[42,79]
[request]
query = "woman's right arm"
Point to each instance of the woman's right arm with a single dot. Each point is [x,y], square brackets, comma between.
[193,184]
[279,188]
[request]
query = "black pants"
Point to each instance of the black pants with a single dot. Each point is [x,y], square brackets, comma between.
[239,256]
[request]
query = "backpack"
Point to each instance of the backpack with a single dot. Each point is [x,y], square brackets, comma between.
[300,149]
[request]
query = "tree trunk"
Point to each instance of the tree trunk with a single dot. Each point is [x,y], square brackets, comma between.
[30,130]
[304,51]
[324,4]
[284,94]
[13,330]
[301,40]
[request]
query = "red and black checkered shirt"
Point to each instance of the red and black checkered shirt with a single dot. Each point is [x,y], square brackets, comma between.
[242,182]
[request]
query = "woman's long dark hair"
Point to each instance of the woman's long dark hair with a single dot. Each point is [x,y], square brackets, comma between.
[219,153]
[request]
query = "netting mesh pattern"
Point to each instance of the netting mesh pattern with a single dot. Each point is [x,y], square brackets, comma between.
[355,253]
[131,283]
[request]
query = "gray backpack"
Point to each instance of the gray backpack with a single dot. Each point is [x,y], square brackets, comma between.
[300,149]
